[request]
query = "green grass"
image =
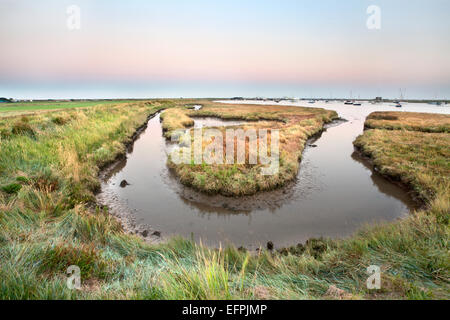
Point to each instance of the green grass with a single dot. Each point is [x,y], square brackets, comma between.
[26,107]
[52,222]
[420,161]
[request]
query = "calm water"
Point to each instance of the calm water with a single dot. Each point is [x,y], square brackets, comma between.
[335,192]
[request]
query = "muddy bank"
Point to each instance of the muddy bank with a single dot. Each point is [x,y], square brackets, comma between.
[417,202]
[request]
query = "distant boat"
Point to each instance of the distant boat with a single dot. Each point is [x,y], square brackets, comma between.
[356,103]
[312,101]
[348,102]
[398,105]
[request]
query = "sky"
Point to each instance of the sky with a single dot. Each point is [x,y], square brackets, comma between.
[215,48]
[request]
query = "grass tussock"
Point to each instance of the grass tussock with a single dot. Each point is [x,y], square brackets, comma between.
[414,121]
[55,259]
[48,225]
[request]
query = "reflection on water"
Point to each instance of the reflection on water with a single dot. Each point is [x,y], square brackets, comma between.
[383,186]
[335,192]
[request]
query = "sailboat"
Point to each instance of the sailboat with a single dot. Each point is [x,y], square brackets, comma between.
[397,103]
[351,99]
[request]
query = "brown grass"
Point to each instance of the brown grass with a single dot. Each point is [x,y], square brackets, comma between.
[425,122]
[295,125]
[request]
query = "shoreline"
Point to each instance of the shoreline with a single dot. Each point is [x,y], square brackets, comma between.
[418,200]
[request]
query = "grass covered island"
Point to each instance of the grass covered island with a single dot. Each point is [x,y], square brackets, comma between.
[295,125]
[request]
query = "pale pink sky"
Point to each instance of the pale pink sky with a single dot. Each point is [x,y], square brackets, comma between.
[292,42]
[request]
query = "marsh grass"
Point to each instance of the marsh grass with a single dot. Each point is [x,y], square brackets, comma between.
[420,161]
[174,119]
[19,108]
[295,125]
[50,223]
[414,121]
